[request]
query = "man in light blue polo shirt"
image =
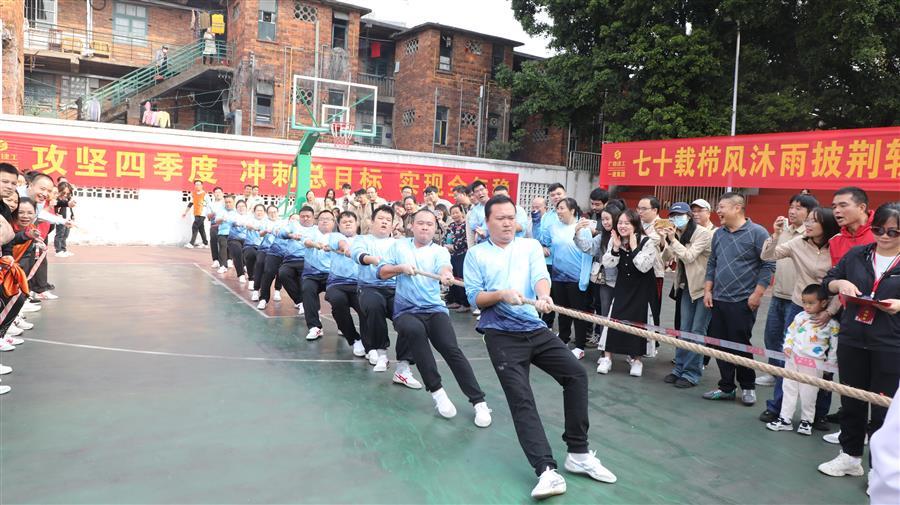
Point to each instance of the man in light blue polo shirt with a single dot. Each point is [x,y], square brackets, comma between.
[291,270]
[341,291]
[315,272]
[421,317]
[476,231]
[500,274]
[376,298]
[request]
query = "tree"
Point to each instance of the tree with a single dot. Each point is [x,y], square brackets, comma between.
[664,69]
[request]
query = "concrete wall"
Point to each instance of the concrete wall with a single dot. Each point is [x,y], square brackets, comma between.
[154,217]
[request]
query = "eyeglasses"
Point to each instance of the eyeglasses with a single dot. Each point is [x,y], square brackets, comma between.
[643,209]
[880,230]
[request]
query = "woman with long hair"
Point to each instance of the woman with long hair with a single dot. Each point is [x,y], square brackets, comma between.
[634,254]
[62,208]
[603,279]
[570,273]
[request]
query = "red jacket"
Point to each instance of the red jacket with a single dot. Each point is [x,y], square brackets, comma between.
[844,241]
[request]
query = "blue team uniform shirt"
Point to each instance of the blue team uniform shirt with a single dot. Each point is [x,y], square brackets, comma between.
[417,294]
[228,217]
[253,238]
[369,244]
[476,219]
[344,271]
[522,219]
[548,220]
[570,264]
[294,250]
[519,266]
[318,262]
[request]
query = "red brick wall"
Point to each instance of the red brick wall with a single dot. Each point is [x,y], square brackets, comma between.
[13,57]
[551,151]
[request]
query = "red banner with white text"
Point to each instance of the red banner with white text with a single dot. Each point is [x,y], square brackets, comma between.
[826,159]
[121,164]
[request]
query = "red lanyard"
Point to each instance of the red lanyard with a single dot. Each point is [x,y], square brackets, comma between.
[883,274]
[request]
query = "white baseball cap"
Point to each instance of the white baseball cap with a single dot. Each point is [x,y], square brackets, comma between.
[701,203]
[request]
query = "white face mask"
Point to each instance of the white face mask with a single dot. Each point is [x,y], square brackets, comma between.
[679,221]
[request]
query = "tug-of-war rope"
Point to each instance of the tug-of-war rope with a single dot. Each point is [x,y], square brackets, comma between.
[859,394]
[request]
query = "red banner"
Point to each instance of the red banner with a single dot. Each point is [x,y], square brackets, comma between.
[121,164]
[828,159]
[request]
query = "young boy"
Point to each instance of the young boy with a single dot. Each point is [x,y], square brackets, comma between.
[806,340]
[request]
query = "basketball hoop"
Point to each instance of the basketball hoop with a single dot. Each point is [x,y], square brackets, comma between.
[342,133]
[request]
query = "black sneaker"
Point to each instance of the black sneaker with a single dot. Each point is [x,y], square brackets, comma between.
[682,383]
[670,379]
[821,424]
[834,418]
[768,416]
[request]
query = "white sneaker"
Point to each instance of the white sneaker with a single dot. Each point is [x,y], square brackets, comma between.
[30,307]
[277,296]
[482,415]
[261,305]
[842,465]
[186,246]
[47,295]
[254,296]
[359,350]
[222,270]
[5,389]
[549,484]
[14,330]
[589,465]
[4,347]
[578,353]
[314,333]
[5,369]
[476,312]
[443,404]
[215,264]
[250,286]
[407,379]
[13,340]
[301,311]
[833,438]
[765,380]
[604,365]
[637,368]
[230,263]
[242,279]
[373,357]
[22,323]
[62,254]
[381,363]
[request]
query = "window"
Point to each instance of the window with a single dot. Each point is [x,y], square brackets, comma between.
[41,14]
[339,30]
[497,58]
[268,12]
[305,12]
[72,88]
[263,108]
[130,24]
[441,118]
[445,58]
[40,94]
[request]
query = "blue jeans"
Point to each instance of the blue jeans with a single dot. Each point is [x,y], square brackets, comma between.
[781,313]
[695,319]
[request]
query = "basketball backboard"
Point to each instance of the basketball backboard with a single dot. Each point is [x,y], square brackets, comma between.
[317,102]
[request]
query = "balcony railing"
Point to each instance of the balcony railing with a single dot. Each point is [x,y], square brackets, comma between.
[136,51]
[209,128]
[385,84]
[583,161]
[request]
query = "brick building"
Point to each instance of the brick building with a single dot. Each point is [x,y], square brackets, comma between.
[436,87]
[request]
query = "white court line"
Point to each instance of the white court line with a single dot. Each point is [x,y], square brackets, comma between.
[235,293]
[206,356]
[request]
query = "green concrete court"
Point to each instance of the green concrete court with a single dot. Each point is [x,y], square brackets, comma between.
[136,387]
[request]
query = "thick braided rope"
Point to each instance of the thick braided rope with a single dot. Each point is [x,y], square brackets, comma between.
[859,394]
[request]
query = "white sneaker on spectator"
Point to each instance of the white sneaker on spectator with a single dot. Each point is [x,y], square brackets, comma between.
[765,380]
[604,365]
[589,465]
[250,286]
[47,295]
[215,264]
[637,368]
[442,403]
[222,270]
[833,438]
[242,279]
[372,356]
[476,312]
[261,305]
[381,363]
[11,340]
[254,296]
[550,483]
[277,296]
[30,307]
[230,263]
[5,389]
[62,254]
[359,350]
[22,323]
[186,246]
[314,333]
[843,464]
[482,415]
[4,347]
[5,369]
[14,331]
